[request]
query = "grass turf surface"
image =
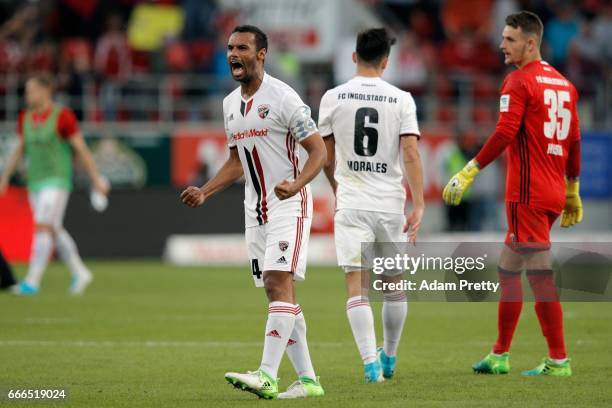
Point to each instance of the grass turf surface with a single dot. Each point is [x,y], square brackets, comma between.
[148,334]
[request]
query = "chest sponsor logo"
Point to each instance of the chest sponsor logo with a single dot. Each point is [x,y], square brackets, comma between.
[250,133]
[263,111]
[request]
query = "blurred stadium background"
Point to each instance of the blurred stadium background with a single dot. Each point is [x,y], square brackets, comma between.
[146,80]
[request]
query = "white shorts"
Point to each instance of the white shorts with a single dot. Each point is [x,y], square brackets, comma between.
[49,205]
[279,245]
[352,227]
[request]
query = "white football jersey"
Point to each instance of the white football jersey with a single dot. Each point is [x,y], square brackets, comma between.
[265,129]
[366,117]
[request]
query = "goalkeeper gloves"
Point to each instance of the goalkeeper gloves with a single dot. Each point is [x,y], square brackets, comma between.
[572,213]
[459,183]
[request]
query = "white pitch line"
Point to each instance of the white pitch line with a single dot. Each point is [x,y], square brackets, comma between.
[145,343]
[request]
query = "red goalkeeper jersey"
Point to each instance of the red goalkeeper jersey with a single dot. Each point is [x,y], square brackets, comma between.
[538,112]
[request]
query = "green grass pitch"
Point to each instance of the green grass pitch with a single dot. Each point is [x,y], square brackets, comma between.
[152,335]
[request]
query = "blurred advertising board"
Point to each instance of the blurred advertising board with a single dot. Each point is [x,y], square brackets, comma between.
[596,166]
[198,153]
[130,159]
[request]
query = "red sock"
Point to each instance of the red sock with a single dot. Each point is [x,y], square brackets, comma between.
[509,309]
[549,311]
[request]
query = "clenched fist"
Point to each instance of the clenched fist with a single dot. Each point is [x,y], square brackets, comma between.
[192,197]
[285,189]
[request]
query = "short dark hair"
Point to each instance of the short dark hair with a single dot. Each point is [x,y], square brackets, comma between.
[529,22]
[261,39]
[43,79]
[373,45]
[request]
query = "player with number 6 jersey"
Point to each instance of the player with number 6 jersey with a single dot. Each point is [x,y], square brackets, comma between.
[539,126]
[369,127]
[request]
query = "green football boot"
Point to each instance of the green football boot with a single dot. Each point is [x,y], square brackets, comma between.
[548,367]
[493,364]
[258,382]
[304,387]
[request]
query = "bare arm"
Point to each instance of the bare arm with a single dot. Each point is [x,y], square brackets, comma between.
[317,155]
[82,152]
[228,174]
[330,164]
[414,175]
[11,165]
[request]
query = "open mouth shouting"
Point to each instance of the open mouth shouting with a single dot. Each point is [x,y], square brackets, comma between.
[237,68]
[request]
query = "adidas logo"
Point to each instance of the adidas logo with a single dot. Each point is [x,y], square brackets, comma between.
[291,342]
[281,260]
[273,333]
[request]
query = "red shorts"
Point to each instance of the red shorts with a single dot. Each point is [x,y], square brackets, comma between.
[528,227]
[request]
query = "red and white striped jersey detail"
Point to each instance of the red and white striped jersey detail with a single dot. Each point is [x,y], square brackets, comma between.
[262,180]
[295,162]
[298,243]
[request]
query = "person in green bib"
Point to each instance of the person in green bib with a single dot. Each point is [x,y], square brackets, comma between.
[48,135]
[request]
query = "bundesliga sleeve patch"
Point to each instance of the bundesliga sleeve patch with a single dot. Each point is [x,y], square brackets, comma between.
[504,103]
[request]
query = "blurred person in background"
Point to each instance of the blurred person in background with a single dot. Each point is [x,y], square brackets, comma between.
[47,133]
[199,19]
[415,67]
[478,208]
[113,63]
[17,37]
[74,77]
[458,216]
[560,31]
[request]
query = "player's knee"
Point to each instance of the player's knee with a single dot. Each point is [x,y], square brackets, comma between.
[353,284]
[278,286]
[44,228]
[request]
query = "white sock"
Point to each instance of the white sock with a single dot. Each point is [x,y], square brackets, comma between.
[281,319]
[297,348]
[558,360]
[68,252]
[361,320]
[394,311]
[41,252]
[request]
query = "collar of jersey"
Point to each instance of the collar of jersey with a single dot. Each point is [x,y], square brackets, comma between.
[367,78]
[533,63]
[263,81]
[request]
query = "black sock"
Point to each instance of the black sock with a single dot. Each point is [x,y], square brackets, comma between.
[6,274]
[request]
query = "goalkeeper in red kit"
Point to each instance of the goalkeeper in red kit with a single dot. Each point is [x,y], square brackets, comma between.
[538,125]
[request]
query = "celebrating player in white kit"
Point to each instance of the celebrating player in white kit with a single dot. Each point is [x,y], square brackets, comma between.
[264,121]
[368,126]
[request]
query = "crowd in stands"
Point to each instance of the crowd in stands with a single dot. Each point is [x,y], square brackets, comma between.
[445,47]
[452,43]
